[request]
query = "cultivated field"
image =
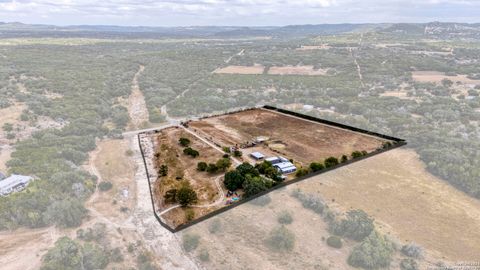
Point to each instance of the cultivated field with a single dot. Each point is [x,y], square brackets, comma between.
[296,138]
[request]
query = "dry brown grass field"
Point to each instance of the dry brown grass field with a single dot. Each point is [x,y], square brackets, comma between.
[245,70]
[407,202]
[315,142]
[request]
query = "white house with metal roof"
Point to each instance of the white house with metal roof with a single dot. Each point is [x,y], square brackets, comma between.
[14,183]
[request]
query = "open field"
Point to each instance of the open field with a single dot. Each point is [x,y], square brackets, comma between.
[315,142]
[297,70]
[245,70]
[437,77]
[407,202]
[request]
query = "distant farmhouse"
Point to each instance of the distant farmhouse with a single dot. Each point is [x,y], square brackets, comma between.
[13,183]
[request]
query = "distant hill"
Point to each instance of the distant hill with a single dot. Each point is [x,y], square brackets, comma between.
[433,29]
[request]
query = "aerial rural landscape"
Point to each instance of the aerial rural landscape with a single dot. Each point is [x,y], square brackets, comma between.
[192,163]
[104,131]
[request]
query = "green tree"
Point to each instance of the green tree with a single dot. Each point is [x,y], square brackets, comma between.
[344,159]
[316,166]
[202,166]
[233,180]
[186,195]
[237,153]
[246,168]
[357,154]
[373,252]
[191,152]
[212,168]
[254,185]
[223,164]
[184,142]
[331,161]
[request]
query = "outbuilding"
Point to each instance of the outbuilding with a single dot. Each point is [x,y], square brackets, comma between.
[285,167]
[14,183]
[257,155]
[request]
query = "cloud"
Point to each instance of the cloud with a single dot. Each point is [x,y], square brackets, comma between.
[233,12]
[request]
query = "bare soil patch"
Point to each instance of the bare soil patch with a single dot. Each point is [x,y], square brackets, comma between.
[304,141]
[437,77]
[297,70]
[136,105]
[245,70]
[407,202]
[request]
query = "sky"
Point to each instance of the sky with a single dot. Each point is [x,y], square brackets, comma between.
[235,12]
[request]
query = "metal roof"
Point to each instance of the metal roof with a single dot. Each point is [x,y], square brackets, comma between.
[284,165]
[14,180]
[257,155]
[2,176]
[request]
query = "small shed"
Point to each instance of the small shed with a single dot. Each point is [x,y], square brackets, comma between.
[257,155]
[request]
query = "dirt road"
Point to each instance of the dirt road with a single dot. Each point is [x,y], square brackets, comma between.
[137,107]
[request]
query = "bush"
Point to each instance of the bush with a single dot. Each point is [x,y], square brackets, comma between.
[261,201]
[191,152]
[280,239]
[189,214]
[334,241]
[412,250]
[330,162]
[105,186]
[212,168]
[301,172]
[357,225]
[284,218]
[215,226]
[223,164]
[184,142]
[237,153]
[310,201]
[316,166]
[408,264]
[357,154]
[186,195]
[344,159]
[202,166]
[203,255]
[373,252]
[190,242]
[171,196]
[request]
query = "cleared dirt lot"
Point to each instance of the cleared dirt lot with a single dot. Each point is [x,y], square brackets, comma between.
[407,202]
[245,70]
[297,70]
[301,140]
[437,77]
